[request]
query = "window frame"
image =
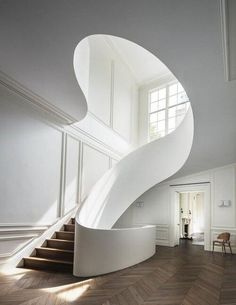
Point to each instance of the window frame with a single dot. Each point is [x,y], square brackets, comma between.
[166,108]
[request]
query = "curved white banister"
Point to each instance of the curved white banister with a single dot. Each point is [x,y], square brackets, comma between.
[115,192]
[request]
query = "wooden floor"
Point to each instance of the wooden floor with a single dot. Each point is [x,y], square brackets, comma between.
[183,275]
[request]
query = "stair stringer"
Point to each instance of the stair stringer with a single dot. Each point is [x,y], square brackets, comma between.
[100,249]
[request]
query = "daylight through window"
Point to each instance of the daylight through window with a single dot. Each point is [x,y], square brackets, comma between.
[167,107]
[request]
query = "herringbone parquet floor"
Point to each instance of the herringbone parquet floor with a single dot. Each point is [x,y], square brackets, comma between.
[185,275]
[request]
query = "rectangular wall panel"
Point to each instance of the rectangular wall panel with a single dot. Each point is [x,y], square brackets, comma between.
[30,165]
[71,173]
[99,80]
[223,189]
[123,97]
[95,164]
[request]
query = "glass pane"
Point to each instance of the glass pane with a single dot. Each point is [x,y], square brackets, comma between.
[161,115]
[173,100]
[160,134]
[153,117]
[161,104]
[182,97]
[172,112]
[154,96]
[180,110]
[180,88]
[153,128]
[173,89]
[170,130]
[153,107]
[161,125]
[171,123]
[162,93]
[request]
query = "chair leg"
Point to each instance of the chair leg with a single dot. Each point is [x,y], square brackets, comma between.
[224,248]
[230,248]
[213,247]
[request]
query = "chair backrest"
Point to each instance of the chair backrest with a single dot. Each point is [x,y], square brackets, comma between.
[225,236]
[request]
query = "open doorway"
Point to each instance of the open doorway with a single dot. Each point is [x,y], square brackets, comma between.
[191,217]
[194,222]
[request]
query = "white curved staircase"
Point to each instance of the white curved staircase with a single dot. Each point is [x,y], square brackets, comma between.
[101,249]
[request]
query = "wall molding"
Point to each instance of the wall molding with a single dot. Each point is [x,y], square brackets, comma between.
[35,100]
[55,117]
[110,126]
[162,232]
[225,37]
[88,139]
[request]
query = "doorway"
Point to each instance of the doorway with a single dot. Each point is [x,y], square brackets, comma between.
[190,210]
[191,217]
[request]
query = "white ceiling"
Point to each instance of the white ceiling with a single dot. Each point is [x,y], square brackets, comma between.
[144,66]
[38,43]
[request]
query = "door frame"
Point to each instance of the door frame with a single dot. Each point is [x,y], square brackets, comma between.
[185,188]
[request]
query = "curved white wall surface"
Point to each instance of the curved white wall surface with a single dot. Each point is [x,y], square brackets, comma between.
[99,248]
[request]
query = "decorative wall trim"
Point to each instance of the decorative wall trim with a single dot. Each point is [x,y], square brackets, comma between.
[225,37]
[92,115]
[16,229]
[63,174]
[112,95]
[7,255]
[213,200]
[36,100]
[56,117]
[90,140]
[162,233]
[82,166]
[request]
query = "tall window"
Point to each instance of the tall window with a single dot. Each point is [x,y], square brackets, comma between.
[167,107]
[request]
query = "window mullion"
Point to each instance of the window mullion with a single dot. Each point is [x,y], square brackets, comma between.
[166,110]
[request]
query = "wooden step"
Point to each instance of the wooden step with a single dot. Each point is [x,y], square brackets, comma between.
[48,264]
[69,227]
[52,253]
[60,244]
[66,235]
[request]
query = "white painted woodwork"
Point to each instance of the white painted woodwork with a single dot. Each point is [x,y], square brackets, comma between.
[71,174]
[99,93]
[123,100]
[30,162]
[95,164]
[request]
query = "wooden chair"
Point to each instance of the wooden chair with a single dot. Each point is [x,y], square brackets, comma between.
[222,240]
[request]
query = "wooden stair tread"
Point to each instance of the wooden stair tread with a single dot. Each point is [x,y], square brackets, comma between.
[54,249]
[56,253]
[48,260]
[69,227]
[66,232]
[63,240]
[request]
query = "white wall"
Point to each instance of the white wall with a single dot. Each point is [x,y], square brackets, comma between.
[111,93]
[156,204]
[71,173]
[95,164]
[46,170]
[30,161]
